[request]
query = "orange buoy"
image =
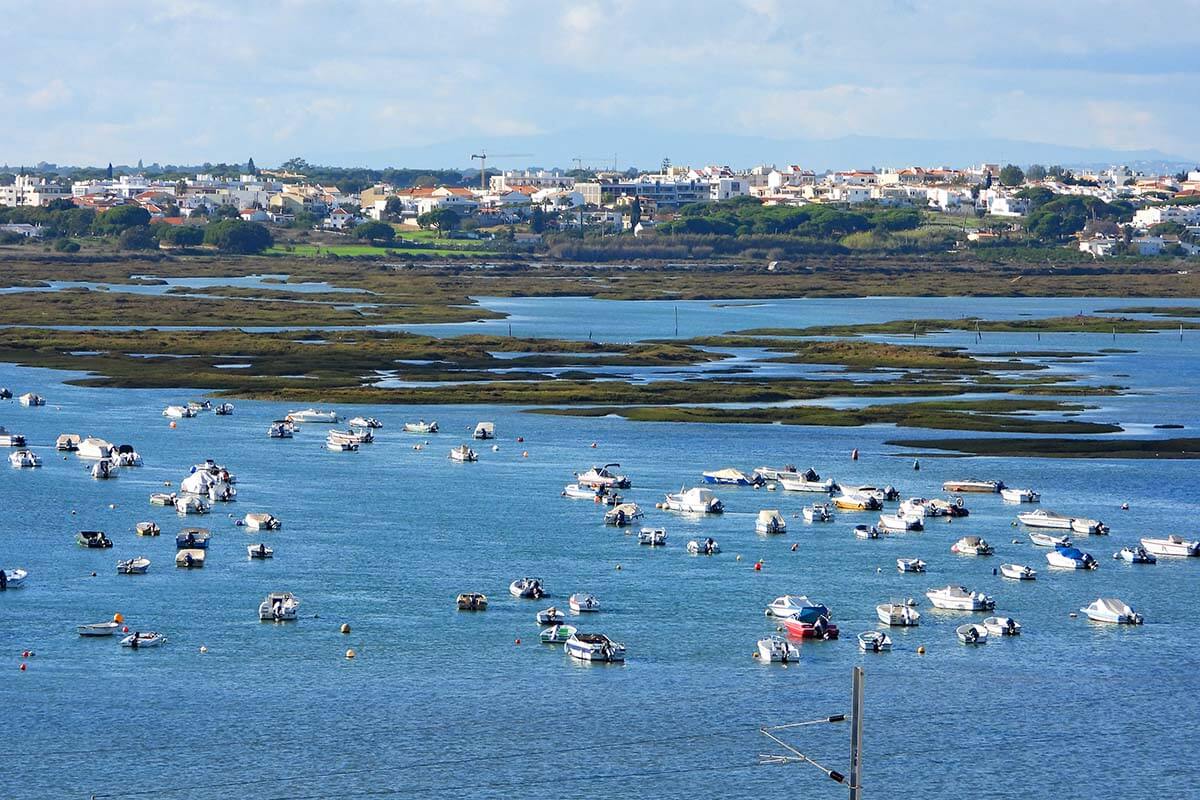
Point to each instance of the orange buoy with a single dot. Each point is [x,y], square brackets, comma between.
[758,565]
[172,426]
[118,617]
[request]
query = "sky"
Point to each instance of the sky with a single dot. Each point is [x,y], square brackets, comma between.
[379,82]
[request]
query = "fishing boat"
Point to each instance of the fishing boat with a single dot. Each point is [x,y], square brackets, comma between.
[1173,545]
[1070,558]
[189,559]
[1046,540]
[312,415]
[972,546]
[31,400]
[703,547]
[12,578]
[796,606]
[972,633]
[338,446]
[360,436]
[820,628]
[1112,610]
[67,442]
[133,566]
[583,603]
[973,485]
[126,456]
[192,504]
[527,588]
[694,501]
[868,532]
[652,537]
[10,439]
[260,551]
[1136,555]
[1017,572]
[472,601]
[777,650]
[817,512]
[193,538]
[874,642]
[1041,518]
[959,598]
[1002,626]
[900,615]
[281,429]
[223,410]
[93,447]
[603,478]
[731,477]
[857,502]
[420,426]
[484,430]
[897,522]
[550,616]
[910,565]
[24,459]
[770,521]
[98,628]
[557,634]
[807,481]
[163,498]
[463,454]
[178,412]
[623,514]
[373,424]
[262,522]
[1020,495]
[139,640]
[279,607]
[104,469]
[93,540]
[594,647]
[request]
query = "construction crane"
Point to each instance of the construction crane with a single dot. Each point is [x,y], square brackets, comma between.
[483,156]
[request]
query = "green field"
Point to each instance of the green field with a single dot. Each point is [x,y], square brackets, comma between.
[342,250]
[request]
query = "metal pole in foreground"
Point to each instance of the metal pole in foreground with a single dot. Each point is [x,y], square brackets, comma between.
[856,733]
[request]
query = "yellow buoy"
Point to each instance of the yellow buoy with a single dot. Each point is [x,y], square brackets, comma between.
[345,627]
[350,653]
[118,617]
[921,650]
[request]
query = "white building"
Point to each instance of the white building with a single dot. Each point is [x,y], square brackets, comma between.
[540,179]
[1185,215]
[726,188]
[27,190]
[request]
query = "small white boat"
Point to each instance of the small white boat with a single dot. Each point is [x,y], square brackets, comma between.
[900,615]
[463,454]
[196,406]
[703,547]
[126,456]
[93,447]
[12,578]
[190,559]
[557,634]
[868,532]
[972,633]
[527,588]
[550,616]
[178,412]
[360,436]
[472,601]
[133,566]
[67,442]
[104,469]
[874,642]
[139,640]
[973,485]
[1110,609]
[10,439]
[279,607]
[1136,555]
[579,492]
[484,430]
[98,628]
[31,400]
[731,477]
[972,546]
[312,415]
[807,481]
[262,522]
[1070,558]
[896,522]
[959,598]
[910,565]
[147,529]
[857,502]
[1173,545]
[339,446]
[770,521]
[777,650]
[192,504]
[1017,572]
[24,459]
[223,410]
[583,603]
[93,540]
[777,473]
[193,538]
[623,514]
[1002,626]
[886,494]
[796,606]
[259,550]
[1020,495]
[1088,527]
[594,647]
[603,478]
[421,427]
[817,512]
[163,498]
[373,424]
[921,507]
[281,429]
[1041,518]
[652,537]
[694,501]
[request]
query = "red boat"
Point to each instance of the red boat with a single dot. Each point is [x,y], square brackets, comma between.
[822,628]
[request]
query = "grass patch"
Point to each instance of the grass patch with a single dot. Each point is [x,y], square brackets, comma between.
[1185,448]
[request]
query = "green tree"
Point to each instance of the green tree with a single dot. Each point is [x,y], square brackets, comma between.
[440,219]
[118,218]
[537,219]
[238,236]
[226,211]
[375,232]
[179,235]
[635,212]
[65,245]
[1036,172]
[393,208]
[137,238]
[1011,175]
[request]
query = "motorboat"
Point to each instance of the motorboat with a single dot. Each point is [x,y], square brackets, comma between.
[583,603]
[623,514]
[910,565]
[807,481]
[192,504]
[484,430]
[24,458]
[777,650]
[1173,545]
[550,616]
[857,502]
[775,474]
[579,492]
[1017,572]
[972,633]
[147,529]
[1070,558]
[421,427]
[1041,518]
[223,410]
[954,507]
[770,521]
[10,439]
[178,412]
[67,442]
[104,469]
[163,498]
[12,578]
[133,566]
[1088,527]
[126,456]
[973,485]
[31,400]
[98,628]
[1046,540]
[887,494]
[1136,555]
[557,634]
[972,546]
[703,547]
[472,601]
[259,551]
[360,436]
[921,507]
[93,540]
[694,501]
[312,415]
[603,478]
[796,606]
[900,615]
[820,628]
[1110,609]
[463,454]
[373,424]
[262,522]
[5,393]
[594,647]
[874,642]
[652,537]
[868,532]
[93,447]
[959,598]
[898,522]
[817,512]
[193,538]
[339,446]
[196,406]
[731,477]
[281,429]
[527,588]
[1020,495]
[1002,626]
[279,607]
[189,559]
[140,639]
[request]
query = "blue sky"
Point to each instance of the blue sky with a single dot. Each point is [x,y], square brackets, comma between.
[188,81]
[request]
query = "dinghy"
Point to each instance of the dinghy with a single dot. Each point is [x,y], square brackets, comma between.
[972,633]
[279,607]
[139,640]
[1017,572]
[557,634]
[777,650]
[259,551]
[874,642]
[133,566]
